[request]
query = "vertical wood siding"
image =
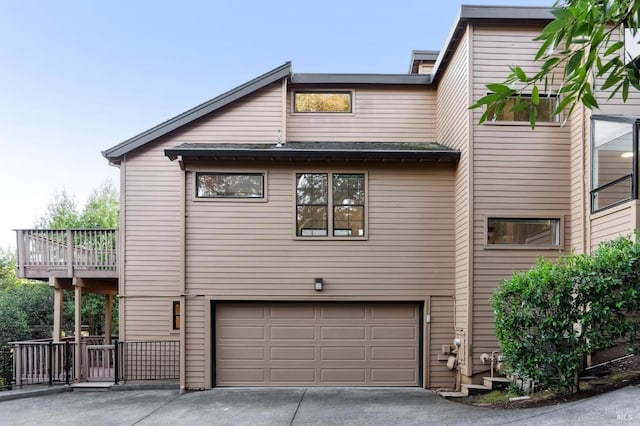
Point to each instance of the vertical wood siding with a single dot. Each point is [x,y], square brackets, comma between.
[453,131]
[391,114]
[517,171]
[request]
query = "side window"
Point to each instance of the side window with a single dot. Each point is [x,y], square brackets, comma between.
[312,204]
[524,232]
[545,108]
[175,315]
[230,185]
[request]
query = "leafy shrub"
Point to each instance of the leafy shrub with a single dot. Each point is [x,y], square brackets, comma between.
[550,317]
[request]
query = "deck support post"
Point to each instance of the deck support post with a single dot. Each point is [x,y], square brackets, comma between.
[77,284]
[108,315]
[58,304]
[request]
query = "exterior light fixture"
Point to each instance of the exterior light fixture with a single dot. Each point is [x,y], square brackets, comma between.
[317,284]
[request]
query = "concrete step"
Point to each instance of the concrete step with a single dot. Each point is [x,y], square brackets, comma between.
[91,386]
[469,389]
[451,394]
[494,383]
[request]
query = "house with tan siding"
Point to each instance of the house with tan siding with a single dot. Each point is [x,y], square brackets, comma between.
[349,229]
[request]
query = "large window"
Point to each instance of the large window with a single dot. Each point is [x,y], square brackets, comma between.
[532,232]
[327,102]
[545,108]
[230,185]
[613,161]
[330,204]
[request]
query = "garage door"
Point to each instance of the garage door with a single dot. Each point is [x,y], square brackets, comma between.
[317,344]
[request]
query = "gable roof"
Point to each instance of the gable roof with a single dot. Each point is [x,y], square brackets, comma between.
[116,153]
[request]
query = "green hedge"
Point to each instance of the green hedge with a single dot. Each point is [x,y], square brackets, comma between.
[550,317]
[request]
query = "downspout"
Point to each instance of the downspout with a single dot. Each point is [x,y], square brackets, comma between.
[182,274]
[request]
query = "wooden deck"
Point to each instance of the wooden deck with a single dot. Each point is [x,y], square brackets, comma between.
[67,253]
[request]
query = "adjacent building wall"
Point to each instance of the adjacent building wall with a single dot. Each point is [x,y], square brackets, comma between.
[516,172]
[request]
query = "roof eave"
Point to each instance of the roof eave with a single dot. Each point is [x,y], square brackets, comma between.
[286,154]
[406,79]
[116,153]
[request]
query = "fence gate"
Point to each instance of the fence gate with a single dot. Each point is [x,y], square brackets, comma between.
[99,363]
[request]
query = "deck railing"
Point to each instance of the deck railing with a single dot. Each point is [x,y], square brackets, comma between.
[64,252]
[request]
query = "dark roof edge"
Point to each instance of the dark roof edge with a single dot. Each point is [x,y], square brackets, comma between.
[115,153]
[360,79]
[422,55]
[245,153]
[483,12]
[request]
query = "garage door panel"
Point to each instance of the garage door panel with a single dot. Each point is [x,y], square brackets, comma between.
[394,333]
[281,332]
[405,353]
[344,353]
[230,353]
[343,311]
[393,375]
[241,333]
[293,375]
[340,375]
[343,333]
[317,344]
[293,353]
[244,311]
[393,312]
[293,311]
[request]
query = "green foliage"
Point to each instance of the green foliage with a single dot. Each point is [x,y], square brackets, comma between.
[581,42]
[100,211]
[550,317]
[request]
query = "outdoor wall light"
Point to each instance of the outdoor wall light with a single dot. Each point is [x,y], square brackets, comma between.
[317,284]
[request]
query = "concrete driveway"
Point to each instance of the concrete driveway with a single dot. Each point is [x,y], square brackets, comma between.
[304,406]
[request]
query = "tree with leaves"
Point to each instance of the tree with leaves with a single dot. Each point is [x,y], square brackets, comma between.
[583,47]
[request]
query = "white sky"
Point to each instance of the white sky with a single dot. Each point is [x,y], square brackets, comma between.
[78,77]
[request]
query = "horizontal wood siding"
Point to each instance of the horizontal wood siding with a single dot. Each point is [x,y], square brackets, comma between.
[388,114]
[196,342]
[152,193]
[577,220]
[248,250]
[442,333]
[453,131]
[255,118]
[517,172]
[613,223]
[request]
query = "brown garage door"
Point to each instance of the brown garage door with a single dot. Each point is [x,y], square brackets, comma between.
[317,344]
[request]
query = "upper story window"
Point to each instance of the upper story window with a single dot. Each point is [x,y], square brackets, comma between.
[330,204]
[545,108]
[230,185]
[614,152]
[525,232]
[322,101]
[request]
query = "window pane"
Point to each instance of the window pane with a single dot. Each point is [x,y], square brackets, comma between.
[612,161]
[312,204]
[545,108]
[348,221]
[348,205]
[230,185]
[312,221]
[176,315]
[322,102]
[534,232]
